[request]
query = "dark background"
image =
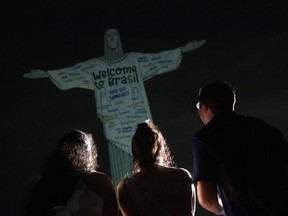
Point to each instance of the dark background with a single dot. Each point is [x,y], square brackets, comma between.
[246,45]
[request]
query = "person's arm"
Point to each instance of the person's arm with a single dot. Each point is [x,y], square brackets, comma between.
[101,184]
[208,197]
[124,199]
[110,207]
[193,199]
[190,187]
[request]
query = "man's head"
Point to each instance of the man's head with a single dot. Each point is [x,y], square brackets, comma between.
[216,97]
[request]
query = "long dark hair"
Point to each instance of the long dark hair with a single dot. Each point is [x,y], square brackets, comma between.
[149,147]
[74,157]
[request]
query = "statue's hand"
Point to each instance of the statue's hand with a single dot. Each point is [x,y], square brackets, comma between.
[192,45]
[36,74]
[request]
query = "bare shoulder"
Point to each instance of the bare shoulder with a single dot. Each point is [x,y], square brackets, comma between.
[99,181]
[120,186]
[179,170]
[121,183]
[179,175]
[101,184]
[186,172]
[99,176]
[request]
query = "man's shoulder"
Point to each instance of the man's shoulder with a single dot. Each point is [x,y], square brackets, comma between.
[260,124]
[222,124]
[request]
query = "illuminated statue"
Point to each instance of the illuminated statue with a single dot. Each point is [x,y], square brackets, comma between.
[117,80]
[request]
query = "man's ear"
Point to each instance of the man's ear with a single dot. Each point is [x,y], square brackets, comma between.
[204,107]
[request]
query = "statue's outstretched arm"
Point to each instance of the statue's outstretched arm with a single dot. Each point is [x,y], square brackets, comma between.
[36,74]
[192,45]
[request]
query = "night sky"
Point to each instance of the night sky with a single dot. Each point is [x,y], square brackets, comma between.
[246,46]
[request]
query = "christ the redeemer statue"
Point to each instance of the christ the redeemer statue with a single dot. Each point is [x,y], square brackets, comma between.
[117,80]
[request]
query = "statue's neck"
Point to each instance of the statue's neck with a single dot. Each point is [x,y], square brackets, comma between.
[112,56]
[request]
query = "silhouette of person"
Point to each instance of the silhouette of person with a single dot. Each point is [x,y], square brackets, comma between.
[239,158]
[69,183]
[117,79]
[157,186]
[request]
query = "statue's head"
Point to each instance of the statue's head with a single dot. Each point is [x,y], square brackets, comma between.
[112,42]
